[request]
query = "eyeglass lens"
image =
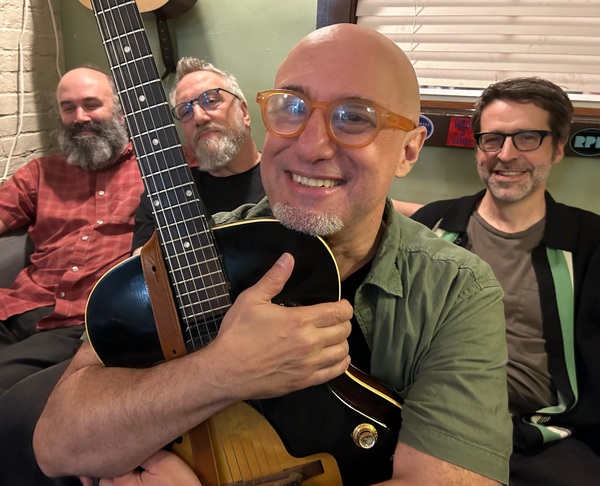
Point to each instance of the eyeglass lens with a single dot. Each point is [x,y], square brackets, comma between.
[523,141]
[208,101]
[349,123]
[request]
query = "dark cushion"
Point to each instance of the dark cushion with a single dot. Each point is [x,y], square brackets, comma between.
[15,248]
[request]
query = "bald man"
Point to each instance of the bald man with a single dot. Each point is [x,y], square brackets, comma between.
[78,207]
[420,315]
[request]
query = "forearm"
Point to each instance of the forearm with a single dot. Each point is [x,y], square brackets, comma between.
[103,422]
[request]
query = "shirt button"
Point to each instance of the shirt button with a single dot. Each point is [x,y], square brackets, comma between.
[99,221]
[84,237]
[61,294]
[75,269]
[101,193]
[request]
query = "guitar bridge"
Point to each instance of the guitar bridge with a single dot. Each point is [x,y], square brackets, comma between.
[293,476]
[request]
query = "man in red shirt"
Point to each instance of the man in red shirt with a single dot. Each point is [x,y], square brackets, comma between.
[79,209]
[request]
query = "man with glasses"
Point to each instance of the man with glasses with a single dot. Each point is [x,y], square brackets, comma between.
[419,314]
[213,115]
[547,257]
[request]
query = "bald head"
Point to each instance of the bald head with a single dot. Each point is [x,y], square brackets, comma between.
[360,57]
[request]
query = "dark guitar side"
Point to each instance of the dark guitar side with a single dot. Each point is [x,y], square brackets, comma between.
[121,329]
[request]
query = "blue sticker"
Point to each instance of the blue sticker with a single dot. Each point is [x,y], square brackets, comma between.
[428,124]
[586,142]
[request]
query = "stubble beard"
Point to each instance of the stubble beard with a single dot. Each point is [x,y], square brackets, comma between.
[308,222]
[96,150]
[508,191]
[217,151]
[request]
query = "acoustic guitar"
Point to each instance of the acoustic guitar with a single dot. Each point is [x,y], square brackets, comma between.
[170,301]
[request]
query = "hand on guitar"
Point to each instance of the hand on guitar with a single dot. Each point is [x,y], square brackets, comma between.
[161,469]
[266,350]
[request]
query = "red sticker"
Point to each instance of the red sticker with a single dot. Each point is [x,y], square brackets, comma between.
[460,133]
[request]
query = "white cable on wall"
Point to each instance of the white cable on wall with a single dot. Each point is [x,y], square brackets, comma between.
[21,82]
[20,90]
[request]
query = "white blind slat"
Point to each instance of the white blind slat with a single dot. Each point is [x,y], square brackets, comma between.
[558,40]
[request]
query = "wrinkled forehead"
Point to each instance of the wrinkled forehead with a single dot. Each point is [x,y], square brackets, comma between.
[83,84]
[194,84]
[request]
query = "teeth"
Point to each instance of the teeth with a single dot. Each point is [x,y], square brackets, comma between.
[305,181]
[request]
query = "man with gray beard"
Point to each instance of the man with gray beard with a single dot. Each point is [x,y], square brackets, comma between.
[78,207]
[224,160]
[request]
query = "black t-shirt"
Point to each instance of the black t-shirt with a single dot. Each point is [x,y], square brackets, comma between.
[217,194]
[359,349]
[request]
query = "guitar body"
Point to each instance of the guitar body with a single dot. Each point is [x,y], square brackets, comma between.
[310,429]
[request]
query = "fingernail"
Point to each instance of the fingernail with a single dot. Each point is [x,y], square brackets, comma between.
[284,260]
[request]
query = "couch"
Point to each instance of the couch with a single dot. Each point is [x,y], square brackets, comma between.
[15,248]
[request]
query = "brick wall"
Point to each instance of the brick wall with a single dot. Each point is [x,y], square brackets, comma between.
[37,117]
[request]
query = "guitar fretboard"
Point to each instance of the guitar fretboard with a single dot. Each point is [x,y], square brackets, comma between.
[198,282]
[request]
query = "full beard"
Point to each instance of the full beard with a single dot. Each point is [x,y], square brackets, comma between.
[311,223]
[217,152]
[96,150]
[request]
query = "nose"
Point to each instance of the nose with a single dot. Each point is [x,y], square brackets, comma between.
[314,143]
[508,150]
[200,115]
[81,115]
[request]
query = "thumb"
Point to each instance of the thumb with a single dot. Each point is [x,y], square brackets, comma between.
[273,281]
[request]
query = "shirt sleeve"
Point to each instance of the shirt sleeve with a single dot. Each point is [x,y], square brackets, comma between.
[456,408]
[18,196]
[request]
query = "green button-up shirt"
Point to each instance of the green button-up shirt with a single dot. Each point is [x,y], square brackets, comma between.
[432,314]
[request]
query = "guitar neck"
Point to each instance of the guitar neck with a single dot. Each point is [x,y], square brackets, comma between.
[197,278]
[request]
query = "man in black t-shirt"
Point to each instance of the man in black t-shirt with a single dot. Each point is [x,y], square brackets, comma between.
[222,155]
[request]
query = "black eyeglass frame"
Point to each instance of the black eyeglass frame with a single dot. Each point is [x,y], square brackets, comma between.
[197,101]
[542,133]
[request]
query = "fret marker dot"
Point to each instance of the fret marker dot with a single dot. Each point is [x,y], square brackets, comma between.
[186,244]
[155,141]
[156,203]
[127,49]
[188,192]
[142,98]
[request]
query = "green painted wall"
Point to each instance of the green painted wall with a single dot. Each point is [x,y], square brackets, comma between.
[251,37]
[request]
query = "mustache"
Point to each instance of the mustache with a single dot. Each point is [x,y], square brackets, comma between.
[206,128]
[91,126]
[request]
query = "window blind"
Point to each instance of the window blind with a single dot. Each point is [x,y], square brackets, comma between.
[469,44]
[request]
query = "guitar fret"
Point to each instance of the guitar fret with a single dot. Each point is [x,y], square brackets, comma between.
[141,111]
[165,170]
[213,311]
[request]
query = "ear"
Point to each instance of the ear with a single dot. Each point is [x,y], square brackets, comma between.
[413,143]
[245,112]
[559,153]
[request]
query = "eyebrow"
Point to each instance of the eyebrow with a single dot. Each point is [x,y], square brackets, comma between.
[299,89]
[85,100]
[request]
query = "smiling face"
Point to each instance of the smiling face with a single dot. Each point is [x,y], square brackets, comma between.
[216,136]
[84,95]
[313,184]
[511,175]
[92,134]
